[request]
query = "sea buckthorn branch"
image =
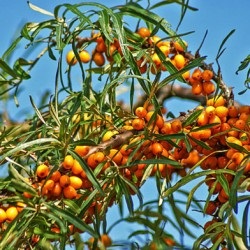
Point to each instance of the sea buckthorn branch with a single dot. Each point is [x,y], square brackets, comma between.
[114,142]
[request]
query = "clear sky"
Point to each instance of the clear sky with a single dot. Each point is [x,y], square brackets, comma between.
[217,17]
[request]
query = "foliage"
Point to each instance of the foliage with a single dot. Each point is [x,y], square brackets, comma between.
[84,151]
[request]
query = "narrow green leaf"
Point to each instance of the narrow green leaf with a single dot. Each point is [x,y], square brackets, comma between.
[192,118]
[233,190]
[38,9]
[245,225]
[72,219]
[189,178]
[191,194]
[221,50]
[30,144]
[104,21]
[7,69]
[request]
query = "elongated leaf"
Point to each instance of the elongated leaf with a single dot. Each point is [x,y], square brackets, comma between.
[104,21]
[38,9]
[192,118]
[72,219]
[7,69]
[30,144]
[221,50]
[245,225]
[191,194]
[194,176]
[134,9]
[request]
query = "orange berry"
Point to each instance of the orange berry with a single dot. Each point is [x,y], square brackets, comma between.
[95,158]
[215,119]
[57,190]
[233,111]
[55,176]
[169,241]
[156,59]
[179,61]
[11,213]
[100,46]
[20,206]
[106,240]
[211,208]
[209,163]
[221,111]
[76,168]
[141,112]
[166,129]
[186,75]
[98,59]
[69,192]
[237,158]
[115,156]
[179,47]
[84,56]
[244,109]
[42,171]
[207,75]
[138,124]
[144,32]
[49,185]
[82,150]
[210,110]
[64,181]
[111,50]
[157,148]
[75,182]
[192,159]
[240,124]
[165,49]
[3,216]
[208,87]
[71,58]
[197,88]
[197,74]
[109,135]
[202,119]
[125,151]
[68,162]
[176,126]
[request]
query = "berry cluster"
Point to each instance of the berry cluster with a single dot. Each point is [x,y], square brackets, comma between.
[170,50]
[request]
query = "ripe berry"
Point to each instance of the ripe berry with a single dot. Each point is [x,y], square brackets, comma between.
[69,192]
[42,171]
[143,32]
[84,56]
[11,213]
[64,181]
[141,112]
[75,182]
[207,75]
[106,240]
[98,59]
[3,215]
[82,150]
[179,61]
[157,148]
[68,162]
[71,58]
[138,124]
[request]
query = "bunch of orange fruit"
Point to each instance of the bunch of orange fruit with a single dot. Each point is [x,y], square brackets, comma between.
[171,51]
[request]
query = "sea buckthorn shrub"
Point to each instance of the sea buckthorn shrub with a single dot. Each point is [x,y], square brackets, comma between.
[78,157]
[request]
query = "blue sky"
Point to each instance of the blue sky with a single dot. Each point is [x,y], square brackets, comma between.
[217,17]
